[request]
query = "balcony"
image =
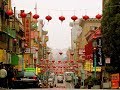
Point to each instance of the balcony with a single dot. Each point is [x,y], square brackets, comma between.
[9,31]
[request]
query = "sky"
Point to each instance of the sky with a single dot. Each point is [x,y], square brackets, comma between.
[59,33]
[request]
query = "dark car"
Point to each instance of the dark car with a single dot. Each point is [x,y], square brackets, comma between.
[25,79]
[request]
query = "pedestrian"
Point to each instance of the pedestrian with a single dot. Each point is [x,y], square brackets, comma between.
[77,86]
[10,75]
[3,74]
[90,85]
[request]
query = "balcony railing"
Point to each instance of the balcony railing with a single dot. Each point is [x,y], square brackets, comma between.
[10,31]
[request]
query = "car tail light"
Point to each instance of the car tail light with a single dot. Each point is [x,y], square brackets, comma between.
[13,79]
[35,77]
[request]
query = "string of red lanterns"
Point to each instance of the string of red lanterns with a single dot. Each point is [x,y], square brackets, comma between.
[48,17]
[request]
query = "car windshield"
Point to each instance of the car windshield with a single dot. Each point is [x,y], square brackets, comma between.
[25,74]
[29,74]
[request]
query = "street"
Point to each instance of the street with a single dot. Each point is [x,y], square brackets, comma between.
[53,89]
[59,44]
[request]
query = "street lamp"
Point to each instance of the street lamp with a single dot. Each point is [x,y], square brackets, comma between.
[94,55]
[24,45]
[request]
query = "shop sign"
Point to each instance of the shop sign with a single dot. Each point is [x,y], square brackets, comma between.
[115,81]
[98,54]
[27,31]
[30,69]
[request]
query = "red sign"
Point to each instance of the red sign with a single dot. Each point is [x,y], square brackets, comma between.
[115,81]
[27,30]
[88,51]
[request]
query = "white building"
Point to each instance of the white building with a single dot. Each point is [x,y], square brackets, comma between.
[75,31]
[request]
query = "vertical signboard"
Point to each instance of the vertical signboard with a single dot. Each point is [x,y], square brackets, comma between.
[27,29]
[100,61]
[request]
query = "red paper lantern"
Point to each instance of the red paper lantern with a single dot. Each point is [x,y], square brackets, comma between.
[36,16]
[85,17]
[59,61]
[72,54]
[41,60]
[74,65]
[15,40]
[23,15]
[48,18]
[47,60]
[35,58]
[65,61]
[54,66]
[78,61]
[25,45]
[23,38]
[36,49]
[9,12]
[61,18]
[60,53]
[37,65]
[48,52]
[98,16]
[83,51]
[53,61]
[74,18]
[71,61]
[48,66]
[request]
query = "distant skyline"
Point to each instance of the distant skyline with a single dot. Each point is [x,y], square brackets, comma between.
[59,34]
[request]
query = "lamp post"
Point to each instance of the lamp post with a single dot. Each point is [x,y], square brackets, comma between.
[94,55]
[24,45]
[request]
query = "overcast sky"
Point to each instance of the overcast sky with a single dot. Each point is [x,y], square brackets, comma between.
[59,34]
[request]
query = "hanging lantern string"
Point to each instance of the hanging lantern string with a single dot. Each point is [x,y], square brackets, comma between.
[35,7]
[85,11]
[74,12]
[60,10]
[48,11]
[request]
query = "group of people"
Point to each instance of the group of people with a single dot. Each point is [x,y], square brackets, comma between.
[6,75]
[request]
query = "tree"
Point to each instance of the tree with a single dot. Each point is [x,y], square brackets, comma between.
[111,33]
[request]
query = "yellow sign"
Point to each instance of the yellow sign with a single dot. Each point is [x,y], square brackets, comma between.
[89,67]
[2,55]
[38,70]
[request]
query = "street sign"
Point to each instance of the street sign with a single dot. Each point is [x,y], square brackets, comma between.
[99,54]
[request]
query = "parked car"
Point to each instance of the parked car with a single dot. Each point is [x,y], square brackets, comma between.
[25,79]
[60,78]
[40,84]
[51,82]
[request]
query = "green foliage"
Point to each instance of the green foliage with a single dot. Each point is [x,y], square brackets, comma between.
[111,32]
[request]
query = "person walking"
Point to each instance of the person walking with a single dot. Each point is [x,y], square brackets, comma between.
[10,75]
[3,74]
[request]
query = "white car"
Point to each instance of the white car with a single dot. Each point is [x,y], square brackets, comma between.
[51,82]
[40,84]
[60,78]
